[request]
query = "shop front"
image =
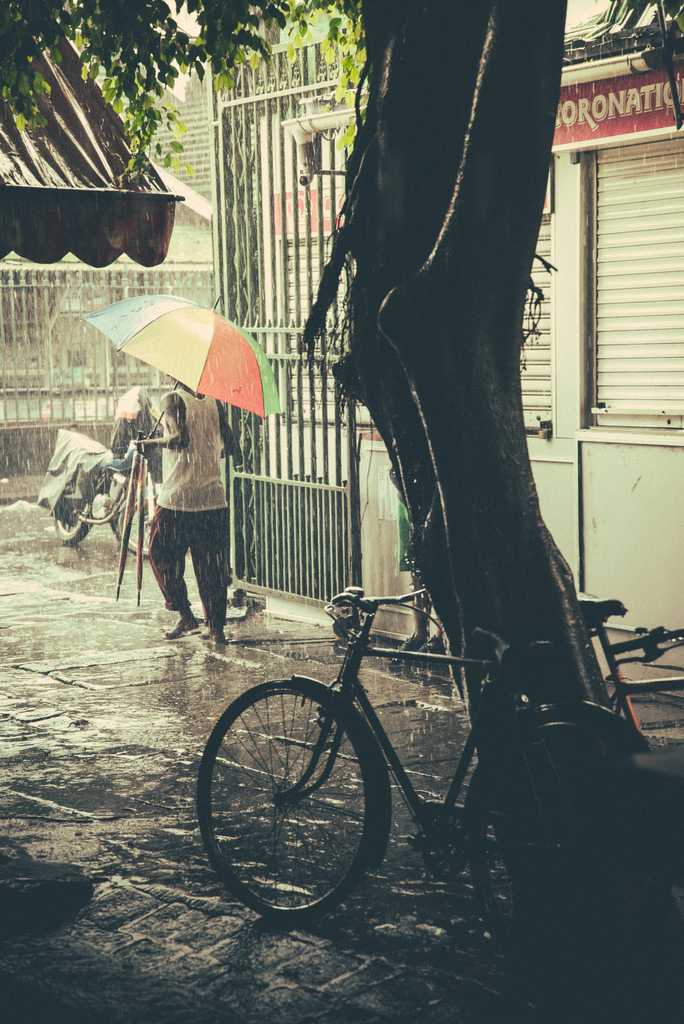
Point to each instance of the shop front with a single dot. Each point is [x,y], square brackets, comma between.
[611,473]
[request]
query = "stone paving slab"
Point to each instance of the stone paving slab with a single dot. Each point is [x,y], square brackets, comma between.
[102,725]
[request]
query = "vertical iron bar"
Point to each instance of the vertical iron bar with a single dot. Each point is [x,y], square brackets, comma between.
[4,293]
[323,371]
[307,554]
[246,209]
[272,307]
[355,568]
[284,288]
[280,561]
[334,541]
[338,436]
[295,536]
[232,232]
[311,369]
[269,525]
[215,151]
[284,535]
[16,339]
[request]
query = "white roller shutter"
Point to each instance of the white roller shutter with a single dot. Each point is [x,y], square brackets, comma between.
[640,285]
[536,355]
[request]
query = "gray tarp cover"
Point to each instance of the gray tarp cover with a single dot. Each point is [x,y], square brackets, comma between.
[74,460]
[61,185]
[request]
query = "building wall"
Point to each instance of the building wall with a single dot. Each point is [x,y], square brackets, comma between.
[611,495]
[554,461]
[380,535]
[194,113]
[633,526]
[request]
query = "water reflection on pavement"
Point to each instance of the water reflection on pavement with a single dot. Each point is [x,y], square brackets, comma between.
[102,723]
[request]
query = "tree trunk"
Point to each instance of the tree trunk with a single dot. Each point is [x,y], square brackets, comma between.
[450,175]
[445,194]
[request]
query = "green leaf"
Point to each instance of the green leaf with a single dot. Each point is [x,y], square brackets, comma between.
[139,49]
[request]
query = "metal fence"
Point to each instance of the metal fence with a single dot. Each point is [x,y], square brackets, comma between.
[56,368]
[296,498]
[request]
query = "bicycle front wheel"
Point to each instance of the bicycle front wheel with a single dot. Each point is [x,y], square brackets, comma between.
[292,794]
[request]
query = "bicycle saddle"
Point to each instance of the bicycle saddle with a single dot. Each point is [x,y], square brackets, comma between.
[596,612]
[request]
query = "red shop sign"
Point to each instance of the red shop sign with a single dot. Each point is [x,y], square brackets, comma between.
[589,111]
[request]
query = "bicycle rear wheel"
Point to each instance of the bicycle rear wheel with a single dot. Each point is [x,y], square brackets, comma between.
[292,799]
[564,768]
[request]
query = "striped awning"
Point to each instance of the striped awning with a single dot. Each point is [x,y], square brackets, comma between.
[61,185]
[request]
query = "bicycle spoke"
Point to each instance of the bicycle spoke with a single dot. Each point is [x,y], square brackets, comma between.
[266,730]
[289,848]
[238,738]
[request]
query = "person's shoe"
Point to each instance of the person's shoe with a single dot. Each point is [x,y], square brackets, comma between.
[183,626]
[217,636]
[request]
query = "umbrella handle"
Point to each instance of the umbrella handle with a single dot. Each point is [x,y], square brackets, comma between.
[161,416]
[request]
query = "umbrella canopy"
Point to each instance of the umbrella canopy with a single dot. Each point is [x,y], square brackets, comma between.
[60,185]
[194,345]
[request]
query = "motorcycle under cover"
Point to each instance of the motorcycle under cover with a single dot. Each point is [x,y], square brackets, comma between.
[72,469]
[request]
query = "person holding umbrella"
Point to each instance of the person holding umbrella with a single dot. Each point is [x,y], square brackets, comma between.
[192,510]
[211,358]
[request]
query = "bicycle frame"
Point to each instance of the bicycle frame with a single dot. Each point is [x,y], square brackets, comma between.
[352,692]
[624,688]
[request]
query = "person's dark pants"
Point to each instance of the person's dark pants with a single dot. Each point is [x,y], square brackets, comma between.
[205,534]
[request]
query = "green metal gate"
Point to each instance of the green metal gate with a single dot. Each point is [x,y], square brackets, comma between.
[295,499]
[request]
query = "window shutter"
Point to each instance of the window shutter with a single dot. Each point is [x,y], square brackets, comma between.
[640,285]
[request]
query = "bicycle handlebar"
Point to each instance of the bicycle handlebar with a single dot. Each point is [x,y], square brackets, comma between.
[650,643]
[355,596]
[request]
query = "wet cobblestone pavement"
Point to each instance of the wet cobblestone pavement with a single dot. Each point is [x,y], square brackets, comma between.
[102,724]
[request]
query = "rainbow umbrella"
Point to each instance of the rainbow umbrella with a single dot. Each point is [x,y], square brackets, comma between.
[194,345]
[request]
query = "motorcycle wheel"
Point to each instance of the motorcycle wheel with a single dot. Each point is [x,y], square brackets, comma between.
[68,527]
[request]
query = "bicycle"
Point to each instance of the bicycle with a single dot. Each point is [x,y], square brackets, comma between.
[652,643]
[293,793]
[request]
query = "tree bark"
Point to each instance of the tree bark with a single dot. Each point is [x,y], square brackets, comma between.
[449,177]
[445,194]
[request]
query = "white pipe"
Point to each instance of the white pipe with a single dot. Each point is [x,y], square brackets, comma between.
[610,67]
[302,128]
